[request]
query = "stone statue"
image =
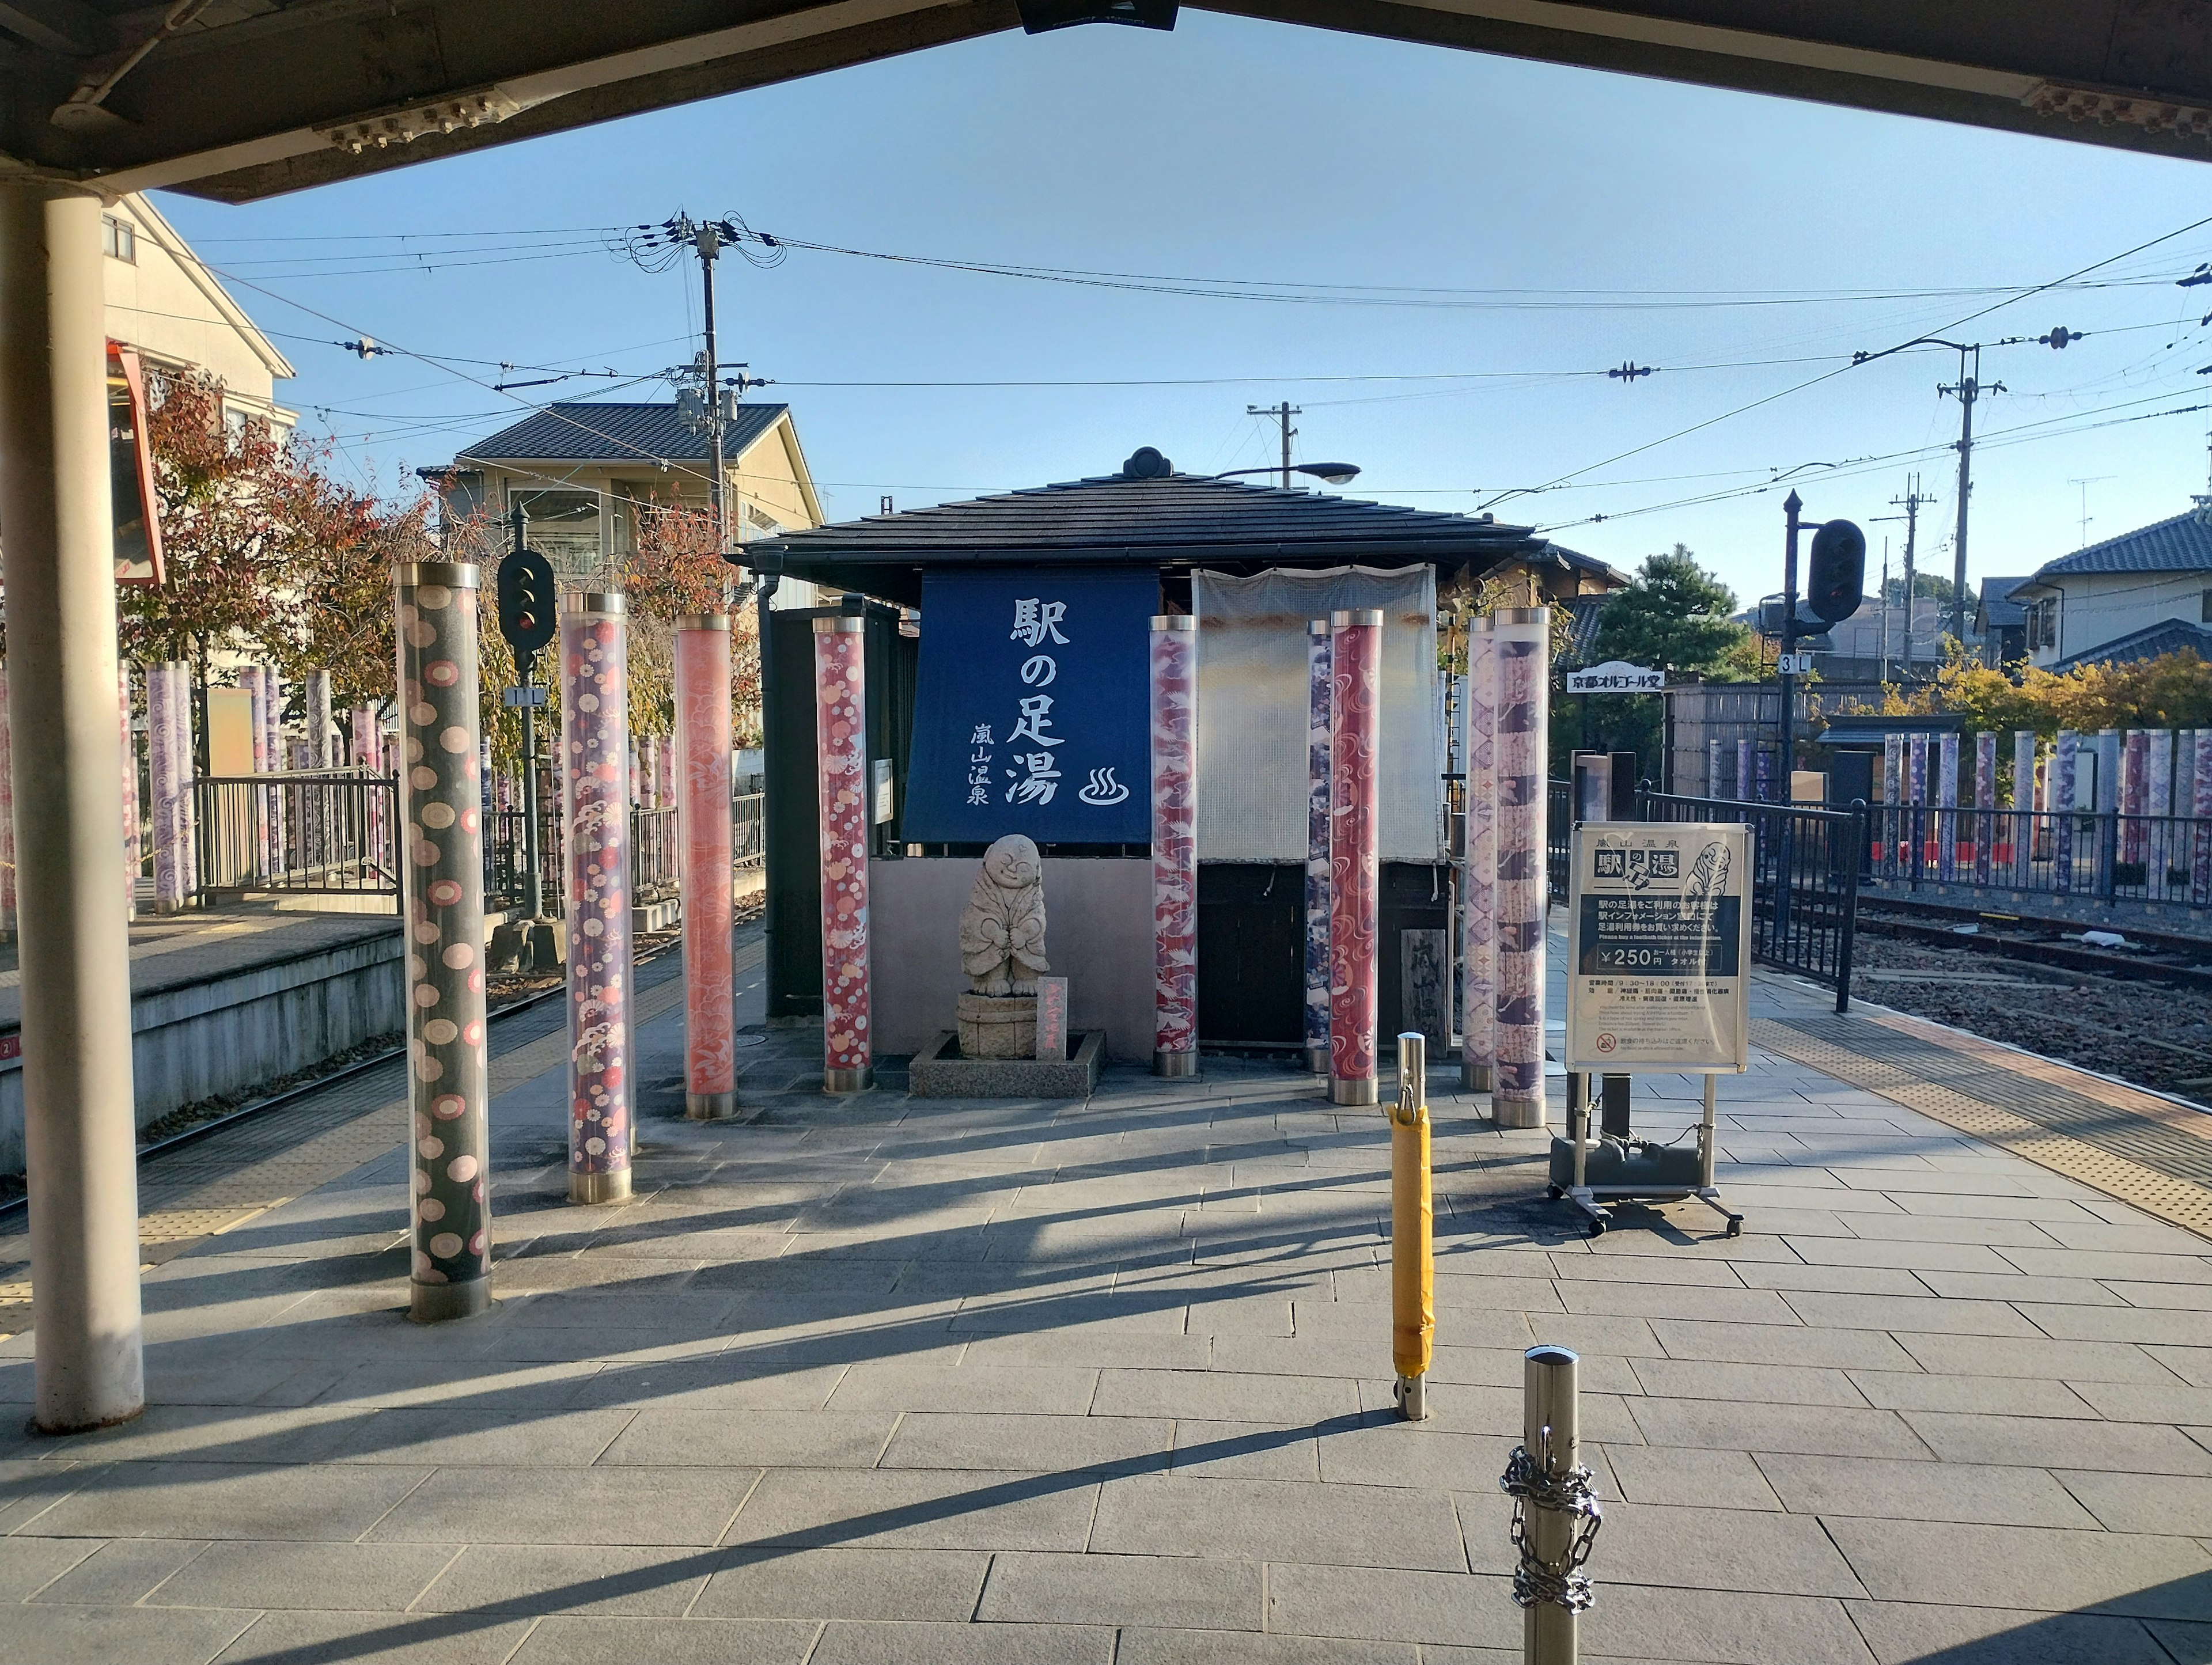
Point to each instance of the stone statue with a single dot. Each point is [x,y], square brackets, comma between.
[1002,928]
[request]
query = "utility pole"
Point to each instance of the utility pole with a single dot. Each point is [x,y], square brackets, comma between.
[1911,503]
[1881,650]
[1282,413]
[1967,389]
[707,241]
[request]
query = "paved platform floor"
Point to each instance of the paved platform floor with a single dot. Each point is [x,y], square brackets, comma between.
[915,1381]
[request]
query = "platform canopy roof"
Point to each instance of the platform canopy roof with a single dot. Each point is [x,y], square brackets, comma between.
[1147,515]
[239,100]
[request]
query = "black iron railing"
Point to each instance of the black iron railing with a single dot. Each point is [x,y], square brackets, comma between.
[322,831]
[1806,863]
[2103,857]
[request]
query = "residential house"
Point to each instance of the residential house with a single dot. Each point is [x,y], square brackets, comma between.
[2143,593]
[561,464]
[2002,621]
[175,312]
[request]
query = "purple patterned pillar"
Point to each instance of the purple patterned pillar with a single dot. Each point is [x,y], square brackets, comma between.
[1985,802]
[1714,783]
[1523,649]
[1479,888]
[2178,840]
[2134,778]
[841,731]
[133,850]
[167,766]
[1317,948]
[442,887]
[2200,805]
[1916,794]
[2065,765]
[595,821]
[1743,771]
[2020,823]
[1893,820]
[1762,776]
[1355,717]
[702,809]
[2157,806]
[1946,807]
[1173,701]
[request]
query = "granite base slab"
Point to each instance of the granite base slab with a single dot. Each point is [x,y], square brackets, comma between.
[933,1074]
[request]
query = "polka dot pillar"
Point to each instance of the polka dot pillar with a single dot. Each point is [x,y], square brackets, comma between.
[442,868]
[595,801]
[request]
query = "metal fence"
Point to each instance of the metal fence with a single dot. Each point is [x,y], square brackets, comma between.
[1807,863]
[2104,857]
[656,858]
[748,829]
[325,831]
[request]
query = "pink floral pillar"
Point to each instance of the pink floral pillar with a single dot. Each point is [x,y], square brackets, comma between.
[841,735]
[1317,770]
[133,853]
[1355,719]
[2135,773]
[442,887]
[1479,886]
[1175,844]
[595,818]
[272,717]
[1524,636]
[702,730]
[2158,804]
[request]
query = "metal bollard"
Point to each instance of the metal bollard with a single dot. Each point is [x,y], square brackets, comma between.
[1413,1220]
[1555,1515]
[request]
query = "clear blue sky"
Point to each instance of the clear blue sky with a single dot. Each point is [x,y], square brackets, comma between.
[1249,151]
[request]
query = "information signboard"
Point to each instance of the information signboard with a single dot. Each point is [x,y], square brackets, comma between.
[1659,948]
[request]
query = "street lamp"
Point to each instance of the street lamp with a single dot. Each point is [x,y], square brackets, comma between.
[1329,474]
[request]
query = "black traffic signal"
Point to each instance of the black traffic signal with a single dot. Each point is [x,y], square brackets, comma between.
[1835,577]
[529,605]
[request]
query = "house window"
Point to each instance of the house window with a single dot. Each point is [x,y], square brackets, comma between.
[118,239]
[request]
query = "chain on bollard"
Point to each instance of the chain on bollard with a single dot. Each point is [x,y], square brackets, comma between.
[1556,1516]
[1413,1242]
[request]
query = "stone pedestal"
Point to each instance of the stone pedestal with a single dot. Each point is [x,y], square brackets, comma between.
[997,1025]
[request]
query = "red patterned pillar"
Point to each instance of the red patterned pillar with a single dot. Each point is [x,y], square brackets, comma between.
[840,734]
[1175,844]
[702,729]
[443,885]
[1523,638]
[1356,654]
[595,817]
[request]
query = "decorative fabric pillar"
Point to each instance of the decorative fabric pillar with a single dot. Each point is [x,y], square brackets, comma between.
[702,726]
[2200,850]
[442,884]
[1947,810]
[1762,776]
[1985,801]
[595,788]
[257,720]
[1317,823]
[2106,802]
[272,716]
[7,817]
[1174,713]
[1478,1020]
[1523,654]
[1354,726]
[1714,782]
[2021,821]
[2157,805]
[2134,798]
[2066,764]
[1916,794]
[166,769]
[318,719]
[1743,771]
[133,850]
[841,737]
[1894,821]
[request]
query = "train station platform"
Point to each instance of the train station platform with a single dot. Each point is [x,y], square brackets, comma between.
[898,1380]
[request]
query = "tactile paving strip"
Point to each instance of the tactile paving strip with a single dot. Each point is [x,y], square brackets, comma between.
[223,1181]
[2144,1150]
